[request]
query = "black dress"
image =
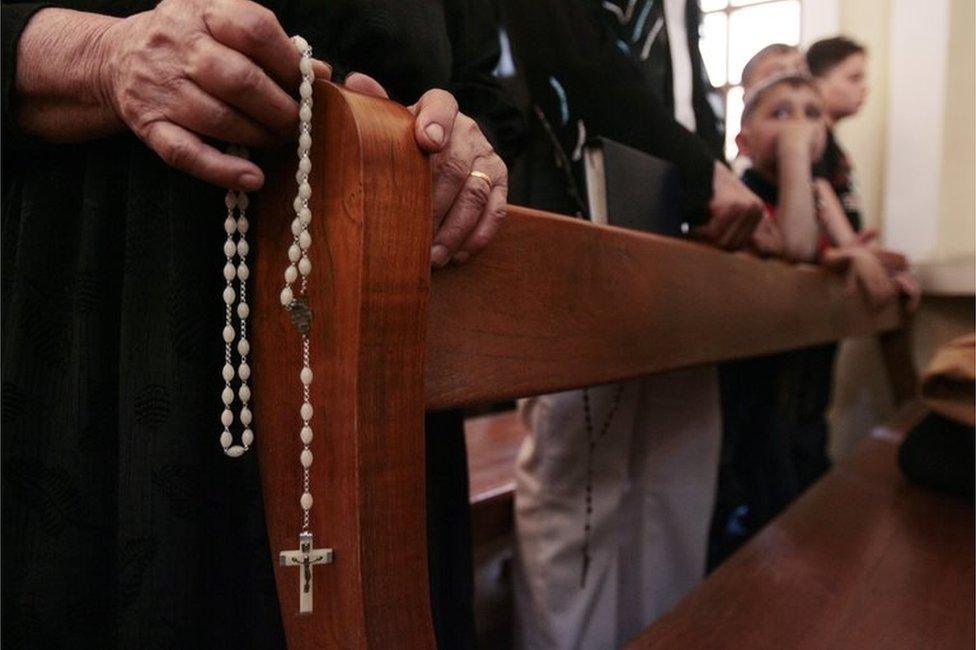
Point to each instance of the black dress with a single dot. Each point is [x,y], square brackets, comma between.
[123,524]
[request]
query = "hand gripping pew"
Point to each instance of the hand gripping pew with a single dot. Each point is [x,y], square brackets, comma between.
[554,303]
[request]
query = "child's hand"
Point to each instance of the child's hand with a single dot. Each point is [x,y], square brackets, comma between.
[865,270]
[802,136]
[767,240]
[908,286]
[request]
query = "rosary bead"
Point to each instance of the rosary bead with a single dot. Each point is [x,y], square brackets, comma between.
[242,200]
[243,347]
[244,392]
[244,372]
[305,66]
[294,253]
[306,375]
[243,272]
[305,191]
[304,240]
[247,438]
[229,295]
[243,224]
[300,44]
[306,435]
[296,226]
[306,501]
[228,372]
[305,89]
[305,216]
[304,144]
[227,418]
[227,395]
[306,411]
[305,266]
[305,113]
[242,248]
[291,274]
[235,452]
[297,204]
[246,416]
[305,165]
[286,297]
[306,458]
[230,225]
[300,177]
[228,334]
[229,247]
[230,200]
[243,311]
[226,439]
[229,271]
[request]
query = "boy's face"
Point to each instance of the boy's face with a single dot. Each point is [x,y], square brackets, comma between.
[776,64]
[844,87]
[784,112]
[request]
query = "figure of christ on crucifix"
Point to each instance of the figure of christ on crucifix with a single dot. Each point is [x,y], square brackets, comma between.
[305,557]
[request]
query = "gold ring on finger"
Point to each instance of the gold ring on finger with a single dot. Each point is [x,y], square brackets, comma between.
[483,176]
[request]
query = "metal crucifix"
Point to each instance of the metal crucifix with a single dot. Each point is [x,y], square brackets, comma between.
[305,557]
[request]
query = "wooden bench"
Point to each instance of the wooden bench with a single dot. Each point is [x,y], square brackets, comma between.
[554,303]
[862,560]
[493,443]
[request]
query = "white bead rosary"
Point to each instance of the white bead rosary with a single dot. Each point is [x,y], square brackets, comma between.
[298,270]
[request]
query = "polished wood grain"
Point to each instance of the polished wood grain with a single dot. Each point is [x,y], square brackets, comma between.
[557,303]
[862,560]
[553,303]
[369,290]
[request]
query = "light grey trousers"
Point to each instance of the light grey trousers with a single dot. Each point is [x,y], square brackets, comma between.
[653,490]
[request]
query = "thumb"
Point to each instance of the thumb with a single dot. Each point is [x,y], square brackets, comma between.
[365,84]
[435,111]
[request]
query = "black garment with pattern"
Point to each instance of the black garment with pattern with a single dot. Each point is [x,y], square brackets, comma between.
[123,524]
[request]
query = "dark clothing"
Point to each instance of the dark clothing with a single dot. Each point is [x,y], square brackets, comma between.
[632,34]
[123,524]
[774,433]
[940,454]
[757,476]
[579,79]
[835,167]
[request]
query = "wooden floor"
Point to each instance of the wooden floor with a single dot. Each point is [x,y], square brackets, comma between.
[862,560]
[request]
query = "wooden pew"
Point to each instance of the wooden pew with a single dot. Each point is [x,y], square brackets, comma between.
[862,560]
[554,303]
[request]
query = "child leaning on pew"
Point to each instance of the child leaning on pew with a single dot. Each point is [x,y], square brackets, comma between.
[784,134]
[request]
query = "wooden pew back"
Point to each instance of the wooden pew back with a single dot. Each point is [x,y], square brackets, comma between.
[554,303]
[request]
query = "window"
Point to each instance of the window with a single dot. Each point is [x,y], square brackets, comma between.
[731,32]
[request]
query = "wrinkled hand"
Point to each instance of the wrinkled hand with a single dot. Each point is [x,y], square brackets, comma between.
[735,211]
[194,69]
[468,209]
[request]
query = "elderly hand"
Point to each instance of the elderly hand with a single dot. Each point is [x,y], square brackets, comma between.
[470,179]
[735,211]
[194,69]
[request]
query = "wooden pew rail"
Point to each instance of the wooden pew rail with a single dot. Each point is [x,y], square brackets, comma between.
[553,303]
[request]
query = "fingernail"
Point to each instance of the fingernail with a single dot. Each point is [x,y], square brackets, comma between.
[462,257]
[438,255]
[435,132]
[250,181]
